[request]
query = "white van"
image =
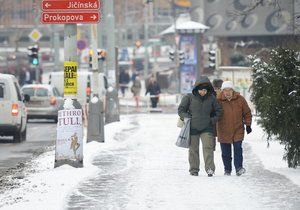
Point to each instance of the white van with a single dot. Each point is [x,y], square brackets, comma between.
[13,116]
[85,84]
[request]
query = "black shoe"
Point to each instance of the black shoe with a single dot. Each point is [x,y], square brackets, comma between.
[240,171]
[227,173]
[194,173]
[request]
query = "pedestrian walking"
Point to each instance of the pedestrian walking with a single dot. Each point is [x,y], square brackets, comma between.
[136,90]
[124,79]
[153,89]
[230,127]
[199,106]
[217,84]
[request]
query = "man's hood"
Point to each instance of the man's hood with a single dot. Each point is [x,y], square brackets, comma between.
[203,80]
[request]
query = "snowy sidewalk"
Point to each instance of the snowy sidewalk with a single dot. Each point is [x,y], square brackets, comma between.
[139,167]
[149,172]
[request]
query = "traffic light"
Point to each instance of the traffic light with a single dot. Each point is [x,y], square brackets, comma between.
[33,54]
[181,56]
[213,59]
[90,58]
[172,55]
[101,54]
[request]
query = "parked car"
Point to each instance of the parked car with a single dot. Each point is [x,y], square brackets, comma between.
[13,120]
[44,102]
[85,84]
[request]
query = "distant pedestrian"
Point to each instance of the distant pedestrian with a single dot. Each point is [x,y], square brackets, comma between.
[136,90]
[153,89]
[230,127]
[198,106]
[217,84]
[124,79]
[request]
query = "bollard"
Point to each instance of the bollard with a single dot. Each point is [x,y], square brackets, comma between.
[112,113]
[95,131]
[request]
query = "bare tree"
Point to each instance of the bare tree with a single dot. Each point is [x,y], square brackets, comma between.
[254,4]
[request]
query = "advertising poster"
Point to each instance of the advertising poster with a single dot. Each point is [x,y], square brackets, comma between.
[188,76]
[188,70]
[188,45]
[70,78]
[69,142]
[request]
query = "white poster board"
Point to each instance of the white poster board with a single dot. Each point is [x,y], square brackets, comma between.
[69,141]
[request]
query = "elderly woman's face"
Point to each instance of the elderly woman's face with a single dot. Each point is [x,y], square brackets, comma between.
[228,93]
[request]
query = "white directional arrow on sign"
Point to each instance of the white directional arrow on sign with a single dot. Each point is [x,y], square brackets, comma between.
[47,5]
[94,17]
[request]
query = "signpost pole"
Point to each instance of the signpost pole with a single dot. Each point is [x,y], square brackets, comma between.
[69,144]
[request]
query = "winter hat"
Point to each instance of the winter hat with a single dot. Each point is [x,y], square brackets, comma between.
[217,83]
[227,84]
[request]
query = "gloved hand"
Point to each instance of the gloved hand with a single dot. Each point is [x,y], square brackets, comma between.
[248,129]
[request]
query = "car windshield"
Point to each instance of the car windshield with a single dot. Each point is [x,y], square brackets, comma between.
[40,92]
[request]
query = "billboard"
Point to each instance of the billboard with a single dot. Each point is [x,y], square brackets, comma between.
[188,69]
[224,18]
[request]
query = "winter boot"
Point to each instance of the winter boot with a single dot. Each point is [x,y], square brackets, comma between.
[240,171]
[210,173]
[194,173]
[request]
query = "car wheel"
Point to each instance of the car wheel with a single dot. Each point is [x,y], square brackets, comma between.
[23,135]
[17,137]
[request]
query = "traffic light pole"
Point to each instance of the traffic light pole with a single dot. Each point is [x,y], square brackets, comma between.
[176,54]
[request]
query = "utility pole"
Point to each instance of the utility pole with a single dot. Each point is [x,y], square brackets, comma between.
[112,101]
[146,33]
[176,49]
[111,43]
[95,121]
[56,47]
[70,102]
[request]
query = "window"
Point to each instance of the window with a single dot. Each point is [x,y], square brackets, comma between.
[42,92]
[18,91]
[56,92]
[28,91]
[1,90]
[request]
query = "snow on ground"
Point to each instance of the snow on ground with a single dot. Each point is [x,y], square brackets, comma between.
[161,179]
[272,156]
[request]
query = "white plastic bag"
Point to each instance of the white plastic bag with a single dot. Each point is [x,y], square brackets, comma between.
[183,139]
[180,123]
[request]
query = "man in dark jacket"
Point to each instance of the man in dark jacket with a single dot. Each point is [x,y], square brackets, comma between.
[199,106]
[154,89]
[124,79]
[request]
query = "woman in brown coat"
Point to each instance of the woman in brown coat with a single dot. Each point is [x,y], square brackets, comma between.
[230,127]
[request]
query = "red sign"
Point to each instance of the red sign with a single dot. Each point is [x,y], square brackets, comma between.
[70,17]
[54,5]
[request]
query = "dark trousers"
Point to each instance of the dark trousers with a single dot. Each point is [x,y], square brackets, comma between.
[154,101]
[227,157]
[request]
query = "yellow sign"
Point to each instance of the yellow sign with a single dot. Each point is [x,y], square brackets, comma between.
[35,35]
[70,78]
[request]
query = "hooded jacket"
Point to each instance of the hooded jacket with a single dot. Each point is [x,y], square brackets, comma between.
[203,111]
[236,113]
